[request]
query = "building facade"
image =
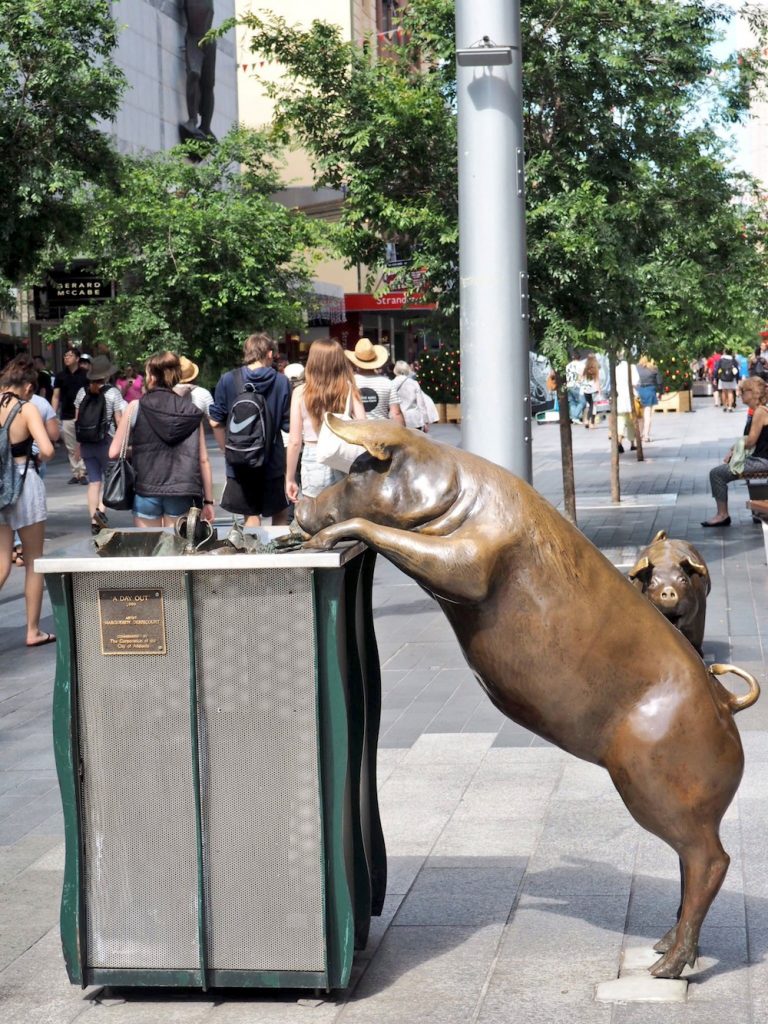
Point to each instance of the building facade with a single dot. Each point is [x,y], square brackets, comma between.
[342,307]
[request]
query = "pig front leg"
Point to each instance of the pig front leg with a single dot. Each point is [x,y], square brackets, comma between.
[453,569]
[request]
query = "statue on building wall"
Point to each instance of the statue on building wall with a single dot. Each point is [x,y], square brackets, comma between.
[201,70]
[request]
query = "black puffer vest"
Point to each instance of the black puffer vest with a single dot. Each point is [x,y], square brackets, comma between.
[166,445]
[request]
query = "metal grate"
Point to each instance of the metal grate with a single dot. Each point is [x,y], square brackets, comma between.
[259,770]
[140,873]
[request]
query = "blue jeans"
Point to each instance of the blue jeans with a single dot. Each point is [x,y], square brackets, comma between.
[576,403]
[170,505]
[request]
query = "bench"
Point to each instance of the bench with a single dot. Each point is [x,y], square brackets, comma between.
[757,485]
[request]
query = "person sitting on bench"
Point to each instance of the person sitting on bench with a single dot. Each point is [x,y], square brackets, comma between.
[754,392]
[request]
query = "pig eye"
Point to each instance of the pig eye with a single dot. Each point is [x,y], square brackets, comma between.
[655,581]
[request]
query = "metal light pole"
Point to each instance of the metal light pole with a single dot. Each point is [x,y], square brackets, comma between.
[493,291]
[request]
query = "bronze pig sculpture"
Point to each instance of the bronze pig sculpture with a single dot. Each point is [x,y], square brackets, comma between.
[674,577]
[507,568]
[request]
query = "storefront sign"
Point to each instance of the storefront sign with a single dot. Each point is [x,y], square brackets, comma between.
[63,291]
[132,622]
[359,303]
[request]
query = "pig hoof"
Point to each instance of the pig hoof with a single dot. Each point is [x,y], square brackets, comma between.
[672,963]
[667,941]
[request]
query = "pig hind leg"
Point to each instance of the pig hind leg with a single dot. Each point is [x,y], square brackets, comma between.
[689,822]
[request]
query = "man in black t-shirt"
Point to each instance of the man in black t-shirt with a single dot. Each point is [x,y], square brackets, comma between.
[65,390]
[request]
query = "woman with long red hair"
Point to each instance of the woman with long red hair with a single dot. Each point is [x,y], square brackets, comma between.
[329,387]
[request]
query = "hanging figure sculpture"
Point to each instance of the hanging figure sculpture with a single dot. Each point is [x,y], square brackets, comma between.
[201,71]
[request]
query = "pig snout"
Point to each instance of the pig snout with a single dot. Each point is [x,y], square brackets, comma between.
[312,514]
[668,596]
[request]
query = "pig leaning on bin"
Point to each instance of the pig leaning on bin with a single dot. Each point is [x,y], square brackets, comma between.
[673,576]
[558,638]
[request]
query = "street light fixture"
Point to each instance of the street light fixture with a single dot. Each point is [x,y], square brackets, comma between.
[485,54]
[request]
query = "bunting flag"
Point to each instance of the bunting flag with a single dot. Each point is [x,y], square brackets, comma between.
[246,66]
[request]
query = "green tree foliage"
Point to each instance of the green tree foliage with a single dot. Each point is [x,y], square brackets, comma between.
[634,219]
[201,254]
[57,80]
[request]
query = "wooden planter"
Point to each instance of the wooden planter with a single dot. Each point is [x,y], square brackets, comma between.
[453,412]
[440,406]
[675,401]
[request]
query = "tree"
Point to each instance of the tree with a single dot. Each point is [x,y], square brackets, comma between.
[57,81]
[200,252]
[628,188]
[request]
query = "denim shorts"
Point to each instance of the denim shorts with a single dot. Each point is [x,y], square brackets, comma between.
[170,505]
[315,477]
[95,455]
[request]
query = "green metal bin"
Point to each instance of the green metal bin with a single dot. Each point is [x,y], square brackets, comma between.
[215,725]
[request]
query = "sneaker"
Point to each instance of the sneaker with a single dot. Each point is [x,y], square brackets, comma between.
[83,480]
[620,446]
[74,480]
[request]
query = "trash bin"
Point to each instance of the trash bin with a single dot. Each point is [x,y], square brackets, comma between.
[215,726]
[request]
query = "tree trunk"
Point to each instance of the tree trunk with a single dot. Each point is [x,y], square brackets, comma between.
[566,450]
[613,420]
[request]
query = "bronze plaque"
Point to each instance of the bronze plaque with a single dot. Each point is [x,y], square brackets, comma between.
[132,622]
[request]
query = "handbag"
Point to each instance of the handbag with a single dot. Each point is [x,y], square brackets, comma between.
[333,451]
[119,479]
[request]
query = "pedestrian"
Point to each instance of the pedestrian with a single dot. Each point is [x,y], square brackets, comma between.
[27,514]
[329,387]
[647,390]
[728,375]
[758,365]
[98,408]
[169,454]
[130,383]
[625,405]
[251,407]
[574,371]
[52,429]
[590,388]
[66,387]
[712,364]
[378,394]
[754,392]
[201,397]
[410,398]
[44,379]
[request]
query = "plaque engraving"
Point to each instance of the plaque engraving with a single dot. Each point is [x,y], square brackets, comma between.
[132,622]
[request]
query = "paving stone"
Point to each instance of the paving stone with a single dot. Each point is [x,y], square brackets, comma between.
[635,988]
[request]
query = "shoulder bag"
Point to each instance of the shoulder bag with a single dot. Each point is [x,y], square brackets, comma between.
[119,478]
[333,451]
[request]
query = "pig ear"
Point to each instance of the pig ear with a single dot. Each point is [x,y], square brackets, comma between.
[641,568]
[694,568]
[378,437]
[661,535]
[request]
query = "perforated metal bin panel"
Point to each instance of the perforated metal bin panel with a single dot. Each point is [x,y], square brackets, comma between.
[262,829]
[140,873]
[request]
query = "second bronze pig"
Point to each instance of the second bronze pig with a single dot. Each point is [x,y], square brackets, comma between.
[674,577]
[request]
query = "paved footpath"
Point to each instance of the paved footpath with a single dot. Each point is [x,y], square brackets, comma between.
[517,878]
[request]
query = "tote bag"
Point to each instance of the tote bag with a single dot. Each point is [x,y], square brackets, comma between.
[119,479]
[333,451]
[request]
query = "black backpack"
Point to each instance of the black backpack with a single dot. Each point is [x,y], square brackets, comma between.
[92,423]
[250,431]
[11,480]
[726,369]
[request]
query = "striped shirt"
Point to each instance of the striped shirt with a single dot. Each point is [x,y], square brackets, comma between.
[377,395]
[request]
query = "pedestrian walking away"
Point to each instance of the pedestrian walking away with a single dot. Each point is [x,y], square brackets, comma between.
[647,390]
[754,453]
[201,397]
[377,393]
[22,492]
[410,398]
[171,468]
[98,409]
[728,375]
[251,407]
[329,387]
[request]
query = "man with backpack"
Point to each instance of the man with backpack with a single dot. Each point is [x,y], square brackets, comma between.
[728,374]
[66,388]
[251,406]
[99,407]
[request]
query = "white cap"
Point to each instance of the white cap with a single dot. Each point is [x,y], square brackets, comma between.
[294,371]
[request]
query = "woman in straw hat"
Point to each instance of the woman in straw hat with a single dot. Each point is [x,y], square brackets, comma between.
[201,397]
[378,394]
[329,387]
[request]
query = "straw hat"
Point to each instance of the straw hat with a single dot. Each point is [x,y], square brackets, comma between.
[367,355]
[101,368]
[189,370]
